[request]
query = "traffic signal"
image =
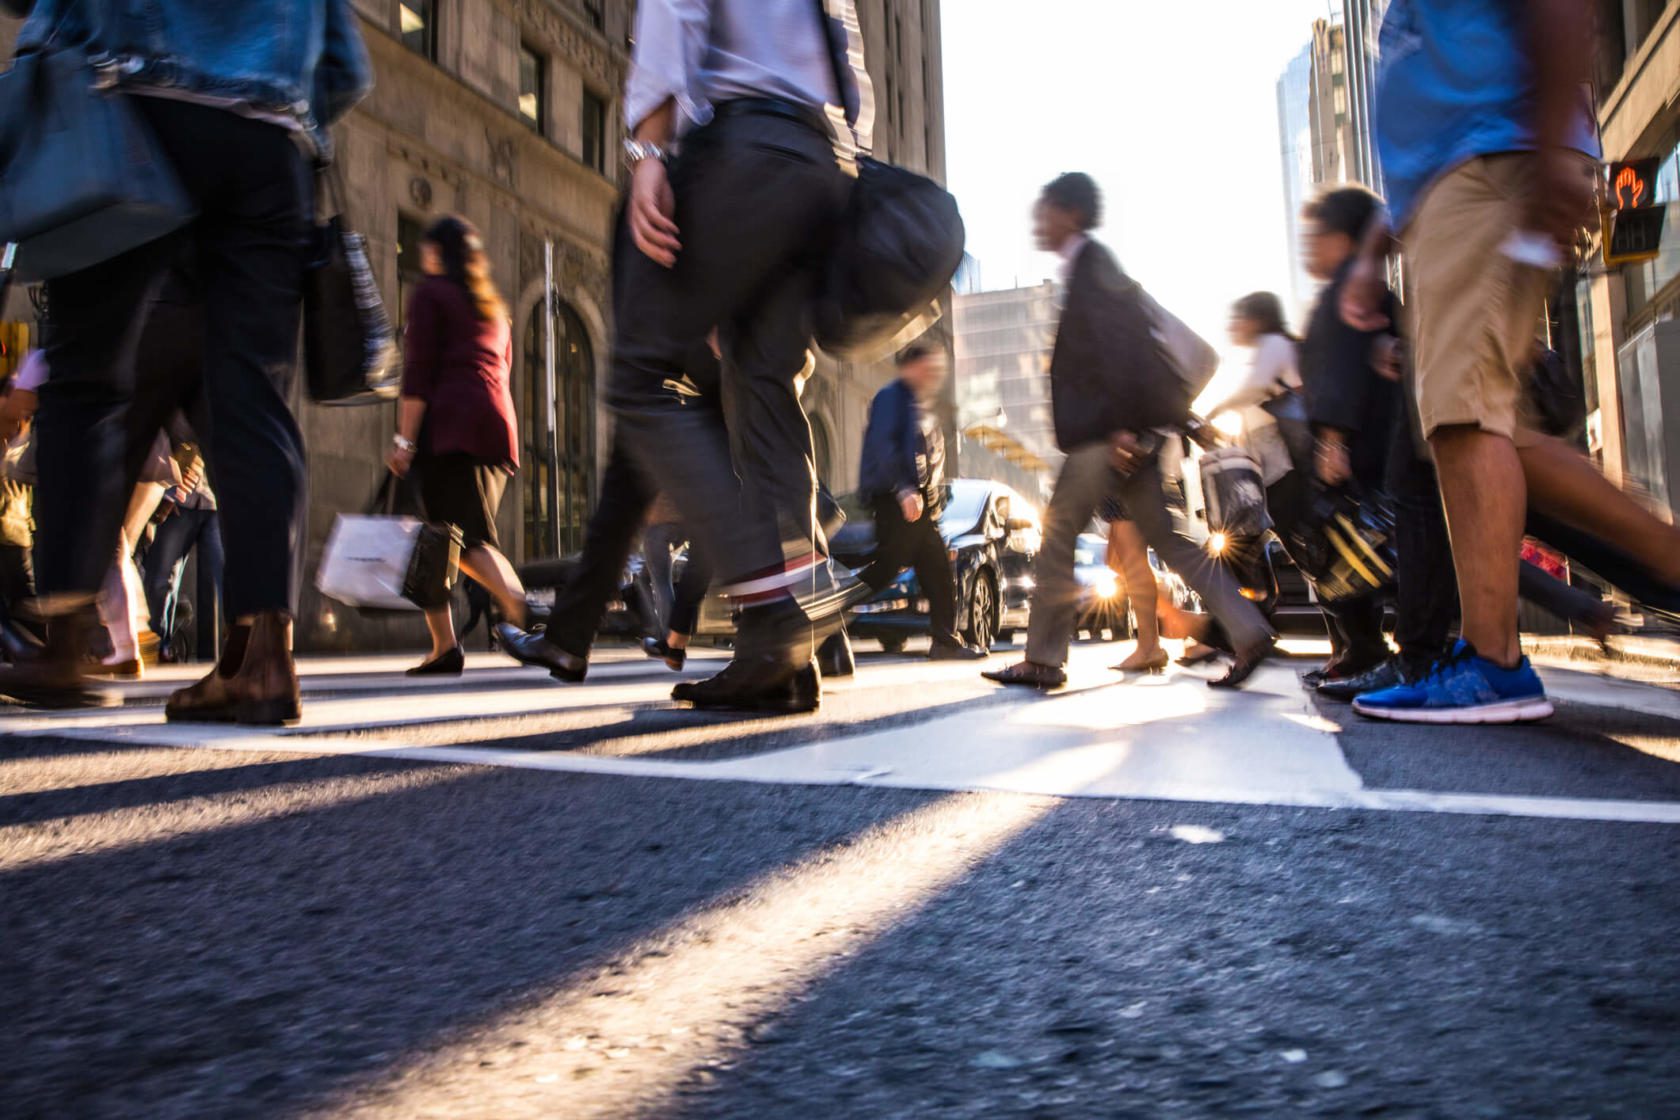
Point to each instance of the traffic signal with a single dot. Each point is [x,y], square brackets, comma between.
[1633,184]
[1634,221]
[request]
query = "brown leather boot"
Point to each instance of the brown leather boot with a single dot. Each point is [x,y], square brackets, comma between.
[255,682]
[56,678]
[209,701]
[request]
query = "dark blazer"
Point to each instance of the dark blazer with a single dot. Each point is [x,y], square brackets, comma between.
[1343,389]
[1108,373]
[893,446]
[461,366]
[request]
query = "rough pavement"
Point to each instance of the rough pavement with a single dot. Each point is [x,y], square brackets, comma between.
[191,932]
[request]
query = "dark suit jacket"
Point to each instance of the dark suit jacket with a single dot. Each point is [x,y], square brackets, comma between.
[893,446]
[1108,373]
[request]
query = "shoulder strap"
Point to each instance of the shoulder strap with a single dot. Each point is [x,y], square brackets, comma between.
[825,23]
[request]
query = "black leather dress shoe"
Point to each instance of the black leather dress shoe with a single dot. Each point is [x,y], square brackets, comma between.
[536,649]
[760,684]
[955,651]
[1384,676]
[449,663]
[1244,666]
[661,650]
[1030,674]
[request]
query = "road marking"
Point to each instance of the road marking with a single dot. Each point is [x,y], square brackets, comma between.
[1167,739]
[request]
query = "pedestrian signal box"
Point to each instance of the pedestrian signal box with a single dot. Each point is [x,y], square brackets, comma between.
[1633,221]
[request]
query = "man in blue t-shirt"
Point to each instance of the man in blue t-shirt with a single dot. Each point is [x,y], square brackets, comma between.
[1486,135]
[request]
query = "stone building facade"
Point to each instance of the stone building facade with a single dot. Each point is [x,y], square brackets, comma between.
[508,112]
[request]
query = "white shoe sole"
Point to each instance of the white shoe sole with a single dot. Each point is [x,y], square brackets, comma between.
[1513,711]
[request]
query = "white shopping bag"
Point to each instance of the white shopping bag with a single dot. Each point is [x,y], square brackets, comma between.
[367,561]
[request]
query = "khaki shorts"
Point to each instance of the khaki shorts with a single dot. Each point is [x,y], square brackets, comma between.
[1472,313]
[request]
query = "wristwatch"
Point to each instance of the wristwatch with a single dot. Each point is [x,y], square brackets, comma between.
[404,443]
[635,151]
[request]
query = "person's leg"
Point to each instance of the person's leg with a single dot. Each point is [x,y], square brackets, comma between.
[1606,561]
[1085,480]
[932,562]
[1565,485]
[1249,633]
[495,574]
[657,543]
[892,545]
[1127,548]
[170,545]
[252,240]
[1427,605]
[1485,497]
[691,592]
[440,625]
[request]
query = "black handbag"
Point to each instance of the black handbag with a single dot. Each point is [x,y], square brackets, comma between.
[435,565]
[899,244]
[350,352]
[82,177]
[1289,409]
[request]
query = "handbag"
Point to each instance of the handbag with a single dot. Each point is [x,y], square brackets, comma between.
[380,561]
[82,177]
[350,352]
[899,243]
[1235,493]
[1289,409]
[1191,357]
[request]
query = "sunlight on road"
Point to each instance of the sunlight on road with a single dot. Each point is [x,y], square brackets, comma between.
[40,843]
[622,1040]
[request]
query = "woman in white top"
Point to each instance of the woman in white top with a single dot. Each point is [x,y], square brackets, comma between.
[1257,324]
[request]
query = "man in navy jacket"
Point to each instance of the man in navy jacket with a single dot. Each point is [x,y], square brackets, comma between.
[903,479]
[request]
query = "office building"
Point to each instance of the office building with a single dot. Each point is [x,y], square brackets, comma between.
[1294,97]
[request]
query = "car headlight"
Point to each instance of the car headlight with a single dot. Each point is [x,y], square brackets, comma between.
[1107,586]
[1218,543]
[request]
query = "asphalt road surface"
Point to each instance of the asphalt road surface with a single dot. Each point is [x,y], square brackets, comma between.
[504,898]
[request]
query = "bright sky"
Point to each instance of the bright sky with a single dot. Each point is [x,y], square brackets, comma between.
[1172,107]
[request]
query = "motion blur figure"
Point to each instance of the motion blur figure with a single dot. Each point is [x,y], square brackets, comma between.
[903,479]
[1112,395]
[770,101]
[229,89]
[1489,150]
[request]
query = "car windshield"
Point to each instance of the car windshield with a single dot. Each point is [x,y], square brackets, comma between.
[966,504]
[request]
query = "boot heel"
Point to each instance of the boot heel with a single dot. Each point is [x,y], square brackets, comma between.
[268,713]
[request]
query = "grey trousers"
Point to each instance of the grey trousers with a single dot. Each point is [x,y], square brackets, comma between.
[1086,481]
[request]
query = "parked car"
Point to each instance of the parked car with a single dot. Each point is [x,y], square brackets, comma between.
[992,534]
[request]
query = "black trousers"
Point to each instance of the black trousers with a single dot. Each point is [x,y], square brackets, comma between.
[250,240]
[1426,605]
[915,544]
[625,497]
[757,199]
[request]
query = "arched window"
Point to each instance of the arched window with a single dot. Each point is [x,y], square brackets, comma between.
[567,472]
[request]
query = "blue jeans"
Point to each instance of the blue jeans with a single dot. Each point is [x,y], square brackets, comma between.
[167,558]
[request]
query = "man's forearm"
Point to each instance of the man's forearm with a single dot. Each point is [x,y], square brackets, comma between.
[1558,34]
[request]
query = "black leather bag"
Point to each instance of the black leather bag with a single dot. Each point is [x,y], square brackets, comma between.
[898,246]
[1289,409]
[350,352]
[82,177]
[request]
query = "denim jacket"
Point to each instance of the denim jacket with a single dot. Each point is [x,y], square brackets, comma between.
[298,59]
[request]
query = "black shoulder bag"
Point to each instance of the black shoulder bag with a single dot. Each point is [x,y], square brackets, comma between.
[350,352]
[82,177]
[897,248]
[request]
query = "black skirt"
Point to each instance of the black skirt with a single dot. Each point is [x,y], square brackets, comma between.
[465,492]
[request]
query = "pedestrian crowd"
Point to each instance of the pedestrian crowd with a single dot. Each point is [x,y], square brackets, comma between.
[1403,438]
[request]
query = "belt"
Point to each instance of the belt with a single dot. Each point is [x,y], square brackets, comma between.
[807,115]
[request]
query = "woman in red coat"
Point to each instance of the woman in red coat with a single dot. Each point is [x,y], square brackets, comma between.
[455,420]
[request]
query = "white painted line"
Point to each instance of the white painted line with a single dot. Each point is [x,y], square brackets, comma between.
[1169,739]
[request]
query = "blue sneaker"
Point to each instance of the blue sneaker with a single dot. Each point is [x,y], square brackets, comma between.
[1464,688]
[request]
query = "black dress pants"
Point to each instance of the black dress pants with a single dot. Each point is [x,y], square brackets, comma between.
[920,545]
[250,184]
[1426,605]
[757,200]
